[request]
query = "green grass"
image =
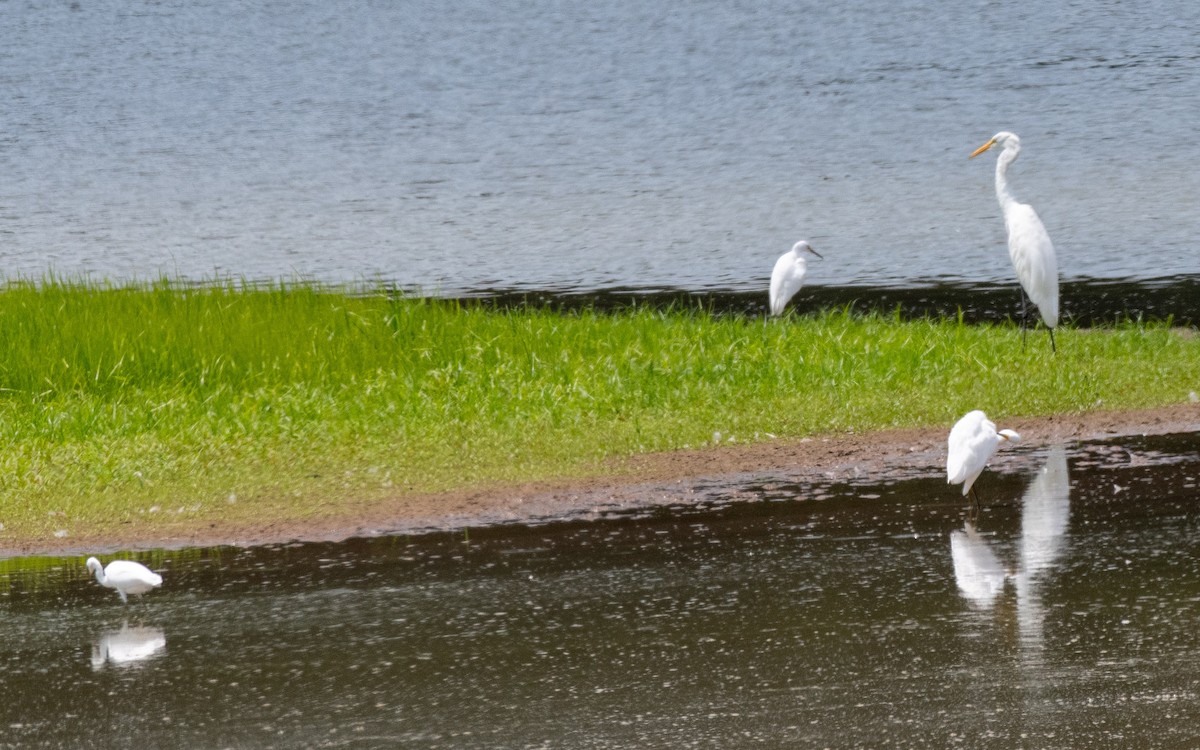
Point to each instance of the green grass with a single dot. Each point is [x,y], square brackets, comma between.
[158,405]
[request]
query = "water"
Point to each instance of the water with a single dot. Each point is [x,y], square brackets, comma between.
[589,146]
[846,615]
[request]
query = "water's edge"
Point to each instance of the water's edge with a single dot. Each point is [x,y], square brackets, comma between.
[1084,303]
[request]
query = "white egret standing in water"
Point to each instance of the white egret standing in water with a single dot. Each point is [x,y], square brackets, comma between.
[788,275]
[126,576]
[1029,245]
[973,440]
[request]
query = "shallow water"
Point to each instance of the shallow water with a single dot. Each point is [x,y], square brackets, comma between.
[847,615]
[588,146]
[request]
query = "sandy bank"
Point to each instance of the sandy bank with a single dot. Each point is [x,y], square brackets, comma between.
[677,477]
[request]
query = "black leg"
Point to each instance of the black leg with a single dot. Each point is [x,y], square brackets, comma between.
[1024,326]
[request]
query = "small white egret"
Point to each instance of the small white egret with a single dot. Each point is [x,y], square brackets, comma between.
[973,440]
[1029,245]
[788,275]
[126,576]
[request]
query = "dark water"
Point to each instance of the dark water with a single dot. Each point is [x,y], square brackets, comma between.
[1067,615]
[1084,303]
[583,146]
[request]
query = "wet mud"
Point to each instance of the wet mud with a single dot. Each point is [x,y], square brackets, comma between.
[642,483]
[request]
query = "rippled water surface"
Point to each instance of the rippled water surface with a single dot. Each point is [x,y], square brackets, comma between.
[581,146]
[1066,615]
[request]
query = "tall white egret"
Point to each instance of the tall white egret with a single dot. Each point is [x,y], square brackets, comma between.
[973,440]
[126,576]
[788,275]
[1029,245]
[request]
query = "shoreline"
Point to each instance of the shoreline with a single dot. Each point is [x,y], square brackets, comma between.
[639,482]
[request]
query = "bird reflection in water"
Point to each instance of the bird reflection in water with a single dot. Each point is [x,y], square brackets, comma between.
[980,574]
[1045,511]
[127,646]
[977,569]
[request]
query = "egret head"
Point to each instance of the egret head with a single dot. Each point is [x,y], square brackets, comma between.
[803,247]
[93,565]
[1009,435]
[1003,139]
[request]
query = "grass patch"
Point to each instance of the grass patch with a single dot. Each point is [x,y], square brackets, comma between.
[155,404]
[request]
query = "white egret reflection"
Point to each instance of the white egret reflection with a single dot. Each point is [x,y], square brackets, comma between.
[1045,512]
[126,646]
[980,573]
[977,568]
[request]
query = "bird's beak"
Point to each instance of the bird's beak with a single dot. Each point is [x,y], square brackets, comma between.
[814,252]
[982,148]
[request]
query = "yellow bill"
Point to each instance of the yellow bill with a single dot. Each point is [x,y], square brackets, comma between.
[982,148]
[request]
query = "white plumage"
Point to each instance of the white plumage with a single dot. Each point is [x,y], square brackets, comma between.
[788,275]
[1029,244]
[126,576]
[973,440]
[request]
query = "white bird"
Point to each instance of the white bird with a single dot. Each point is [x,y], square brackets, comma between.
[973,440]
[788,275]
[1029,245]
[126,576]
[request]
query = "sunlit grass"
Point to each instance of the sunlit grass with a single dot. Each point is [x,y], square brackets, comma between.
[155,404]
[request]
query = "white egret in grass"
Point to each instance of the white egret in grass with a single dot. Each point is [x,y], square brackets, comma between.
[1029,244]
[788,275]
[126,576]
[973,440]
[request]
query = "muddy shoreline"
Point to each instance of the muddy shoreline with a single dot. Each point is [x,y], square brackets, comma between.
[641,482]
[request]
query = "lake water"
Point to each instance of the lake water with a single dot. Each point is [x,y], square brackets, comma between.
[842,614]
[515,144]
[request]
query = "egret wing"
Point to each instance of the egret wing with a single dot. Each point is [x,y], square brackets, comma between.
[125,572]
[786,280]
[971,443]
[1033,259]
